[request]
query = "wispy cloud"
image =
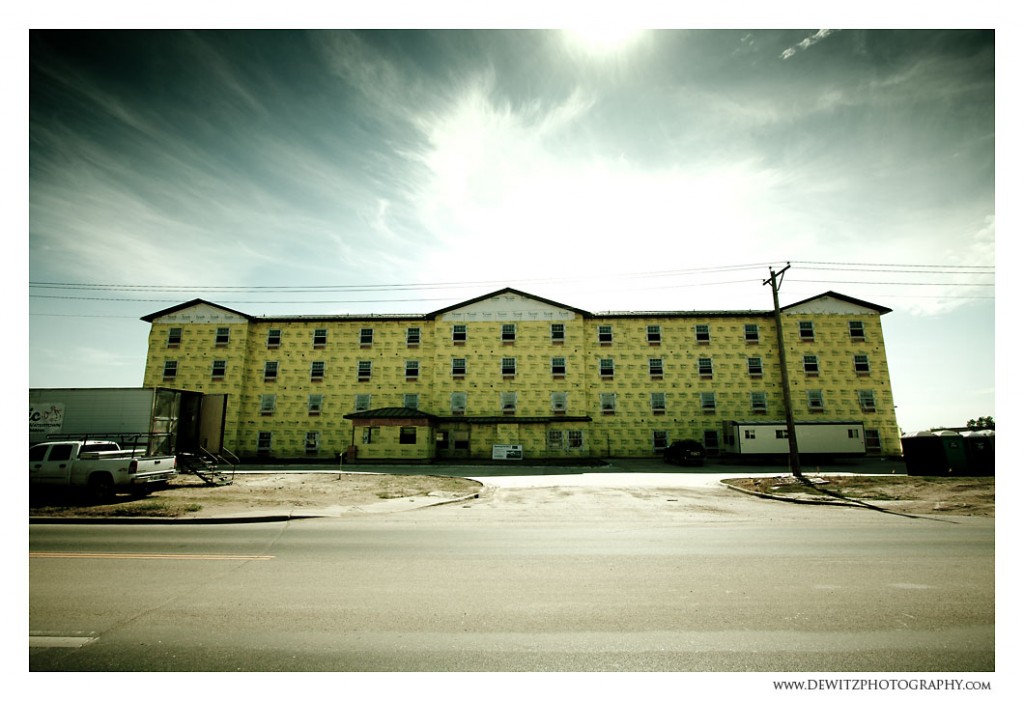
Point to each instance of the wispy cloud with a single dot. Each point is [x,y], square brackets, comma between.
[810,41]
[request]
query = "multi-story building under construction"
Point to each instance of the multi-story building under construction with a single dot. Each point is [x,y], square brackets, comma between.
[514,369]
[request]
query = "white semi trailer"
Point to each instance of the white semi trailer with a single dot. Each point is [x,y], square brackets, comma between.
[158,421]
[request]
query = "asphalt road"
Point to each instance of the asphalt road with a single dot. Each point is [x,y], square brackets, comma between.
[545,574]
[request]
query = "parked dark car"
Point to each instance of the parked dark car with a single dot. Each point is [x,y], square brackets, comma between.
[686,452]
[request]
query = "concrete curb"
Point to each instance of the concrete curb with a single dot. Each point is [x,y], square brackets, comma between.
[241,518]
[813,502]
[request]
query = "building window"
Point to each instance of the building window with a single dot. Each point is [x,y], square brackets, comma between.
[315,404]
[866,397]
[654,335]
[704,368]
[559,402]
[362,402]
[274,338]
[508,333]
[558,367]
[366,337]
[574,439]
[806,330]
[872,440]
[557,333]
[754,368]
[412,370]
[508,367]
[458,403]
[170,369]
[459,333]
[660,440]
[607,403]
[268,402]
[173,337]
[220,368]
[312,441]
[364,369]
[371,434]
[407,435]
[811,364]
[411,401]
[508,402]
[316,371]
[607,368]
[861,365]
[319,338]
[223,335]
[857,330]
[751,333]
[263,442]
[604,335]
[270,371]
[758,402]
[703,333]
[656,368]
[707,401]
[815,400]
[554,441]
[412,337]
[657,402]
[458,367]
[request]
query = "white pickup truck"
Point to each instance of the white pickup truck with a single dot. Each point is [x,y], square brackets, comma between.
[98,466]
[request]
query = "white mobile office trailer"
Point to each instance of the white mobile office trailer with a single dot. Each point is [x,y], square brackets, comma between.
[813,438]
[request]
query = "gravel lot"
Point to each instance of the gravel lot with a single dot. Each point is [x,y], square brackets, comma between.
[187,495]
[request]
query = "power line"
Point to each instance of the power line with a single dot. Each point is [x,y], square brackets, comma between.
[380,287]
[888,268]
[914,284]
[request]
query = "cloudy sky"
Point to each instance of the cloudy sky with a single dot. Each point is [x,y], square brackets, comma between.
[286,172]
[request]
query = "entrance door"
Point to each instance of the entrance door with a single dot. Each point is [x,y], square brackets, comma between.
[452,442]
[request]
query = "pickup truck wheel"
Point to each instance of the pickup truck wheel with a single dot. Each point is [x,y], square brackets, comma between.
[101,487]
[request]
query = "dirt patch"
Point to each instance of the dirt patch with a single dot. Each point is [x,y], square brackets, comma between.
[187,495]
[971,496]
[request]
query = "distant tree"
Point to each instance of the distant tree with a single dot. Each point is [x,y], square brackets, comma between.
[983,423]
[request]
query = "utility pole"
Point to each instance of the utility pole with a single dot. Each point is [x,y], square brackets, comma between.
[794,455]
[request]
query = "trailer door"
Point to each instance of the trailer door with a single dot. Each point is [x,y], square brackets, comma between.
[211,422]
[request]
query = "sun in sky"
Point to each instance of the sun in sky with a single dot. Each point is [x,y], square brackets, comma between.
[603,38]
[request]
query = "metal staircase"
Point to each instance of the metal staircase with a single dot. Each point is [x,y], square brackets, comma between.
[210,468]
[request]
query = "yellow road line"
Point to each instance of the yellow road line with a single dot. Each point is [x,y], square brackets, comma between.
[147,556]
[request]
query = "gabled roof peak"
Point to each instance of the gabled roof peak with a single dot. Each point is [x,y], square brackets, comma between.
[840,297]
[192,303]
[502,292]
